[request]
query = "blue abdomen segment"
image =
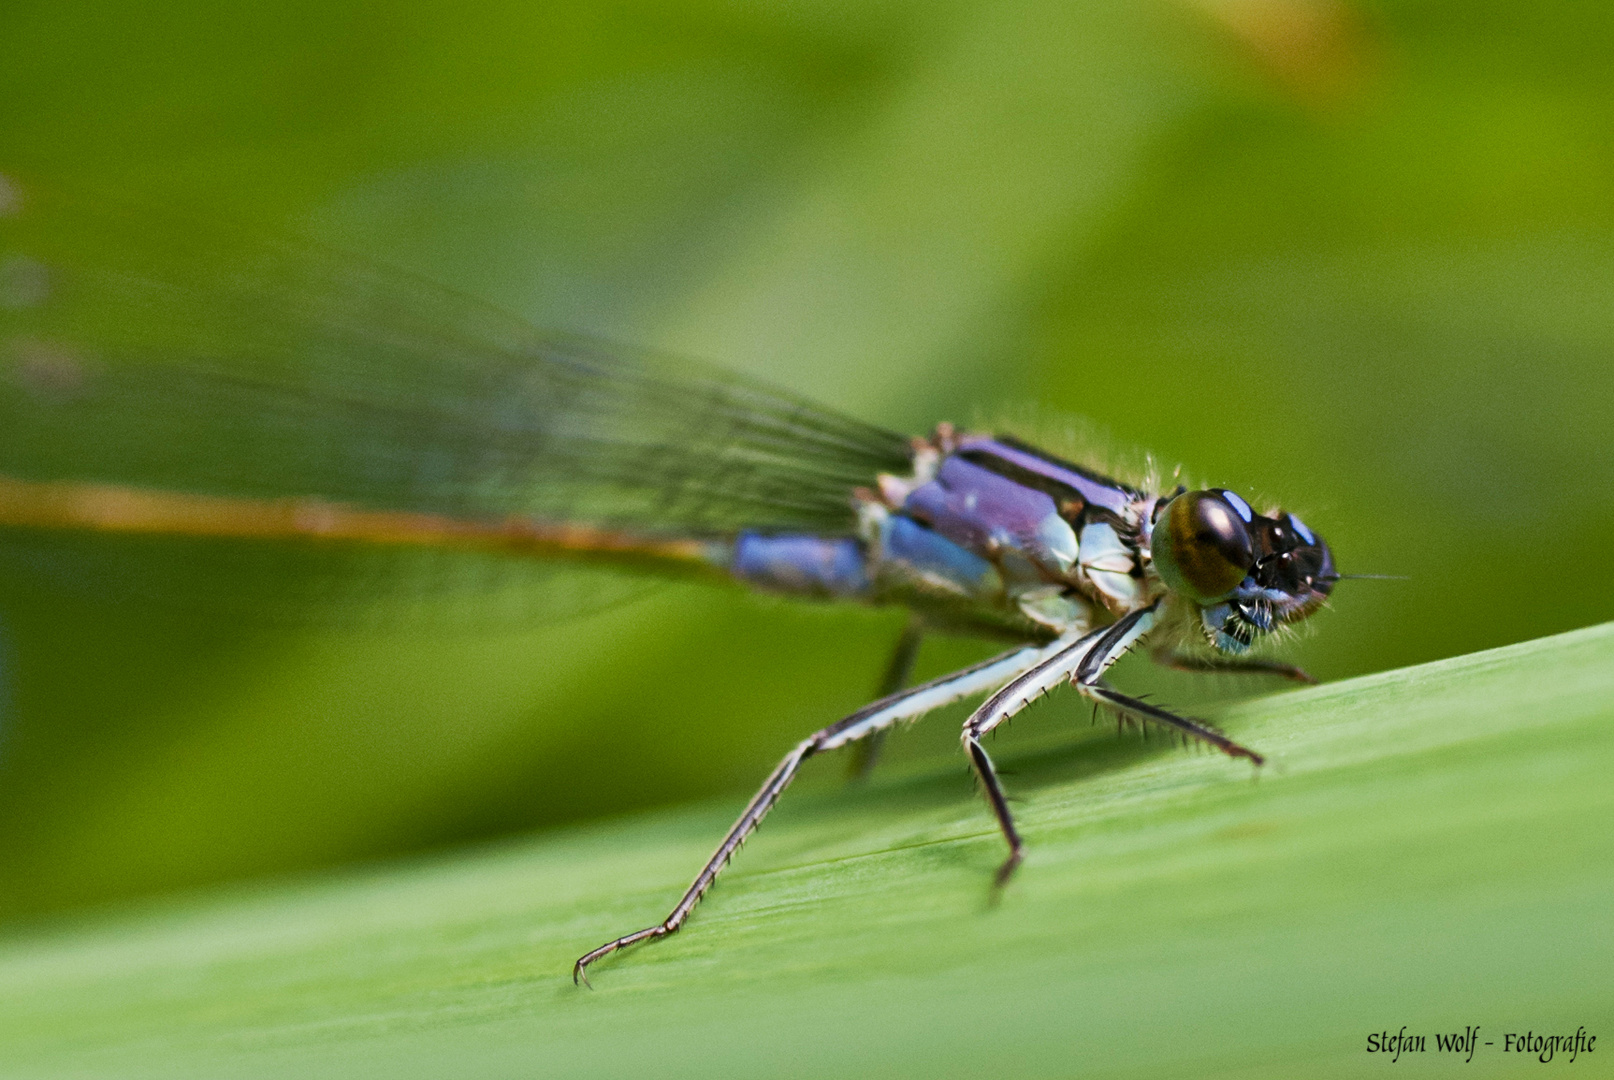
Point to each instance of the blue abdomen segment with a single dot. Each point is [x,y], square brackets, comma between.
[909,548]
[802,564]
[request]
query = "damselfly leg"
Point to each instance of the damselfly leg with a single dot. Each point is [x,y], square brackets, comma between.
[1082,662]
[879,716]
[1017,678]
[1004,705]
[1231,665]
[866,752]
[1089,682]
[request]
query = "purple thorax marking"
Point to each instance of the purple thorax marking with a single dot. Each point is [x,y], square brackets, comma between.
[995,517]
[1097,492]
[979,509]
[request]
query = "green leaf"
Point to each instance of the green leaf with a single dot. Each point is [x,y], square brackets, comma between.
[1426,847]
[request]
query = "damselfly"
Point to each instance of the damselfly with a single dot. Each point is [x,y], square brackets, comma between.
[158,384]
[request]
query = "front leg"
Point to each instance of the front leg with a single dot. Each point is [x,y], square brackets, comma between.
[1089,677]
[1142,710]
[1170,658]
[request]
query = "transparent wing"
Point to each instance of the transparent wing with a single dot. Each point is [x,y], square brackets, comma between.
[156,354]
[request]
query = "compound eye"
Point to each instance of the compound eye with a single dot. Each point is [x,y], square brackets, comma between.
[1201,547]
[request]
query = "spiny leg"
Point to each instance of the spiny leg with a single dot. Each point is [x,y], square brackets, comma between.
[906,705]
[1083,662]
[1142,710]
[1089,675]
[897,670]
[1247,666]
[1003,705]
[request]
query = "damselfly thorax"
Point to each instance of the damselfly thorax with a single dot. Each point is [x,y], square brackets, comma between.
[251,394]
[991,534]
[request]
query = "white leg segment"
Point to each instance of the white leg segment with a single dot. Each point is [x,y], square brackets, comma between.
[1057,667]
[910,704]
[904,705]
[1083,662]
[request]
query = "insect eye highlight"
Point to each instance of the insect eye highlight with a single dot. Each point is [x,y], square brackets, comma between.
[1201,547]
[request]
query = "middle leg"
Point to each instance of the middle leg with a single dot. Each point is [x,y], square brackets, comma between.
[906,705]
[1004,705]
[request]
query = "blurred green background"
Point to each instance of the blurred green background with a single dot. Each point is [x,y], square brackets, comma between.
[1359,257]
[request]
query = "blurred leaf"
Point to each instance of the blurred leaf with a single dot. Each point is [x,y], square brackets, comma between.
[1350,256]
[1427,847]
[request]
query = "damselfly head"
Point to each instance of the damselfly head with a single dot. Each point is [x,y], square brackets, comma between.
[1247,573]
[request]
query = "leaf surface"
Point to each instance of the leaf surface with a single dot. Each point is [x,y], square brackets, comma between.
[1428,847]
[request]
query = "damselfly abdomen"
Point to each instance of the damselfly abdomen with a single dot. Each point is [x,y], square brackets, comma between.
[163,384]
